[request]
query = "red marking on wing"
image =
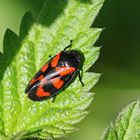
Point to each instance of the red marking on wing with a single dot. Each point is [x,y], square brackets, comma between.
[65,70]
[55,60]
[41,93]
[57,83]
[37,79]
[44,68]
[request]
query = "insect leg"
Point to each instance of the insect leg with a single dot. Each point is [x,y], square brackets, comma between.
[53,98]
[50,56]
[68,46]
[80,77]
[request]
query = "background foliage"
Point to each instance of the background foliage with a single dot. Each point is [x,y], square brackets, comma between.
[119,59]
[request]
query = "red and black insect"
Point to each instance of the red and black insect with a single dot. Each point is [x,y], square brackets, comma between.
[55,75]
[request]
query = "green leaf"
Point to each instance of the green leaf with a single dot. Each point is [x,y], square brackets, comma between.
[58,23]
[127,126]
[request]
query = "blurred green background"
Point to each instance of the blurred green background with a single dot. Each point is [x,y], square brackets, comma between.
[119,60]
